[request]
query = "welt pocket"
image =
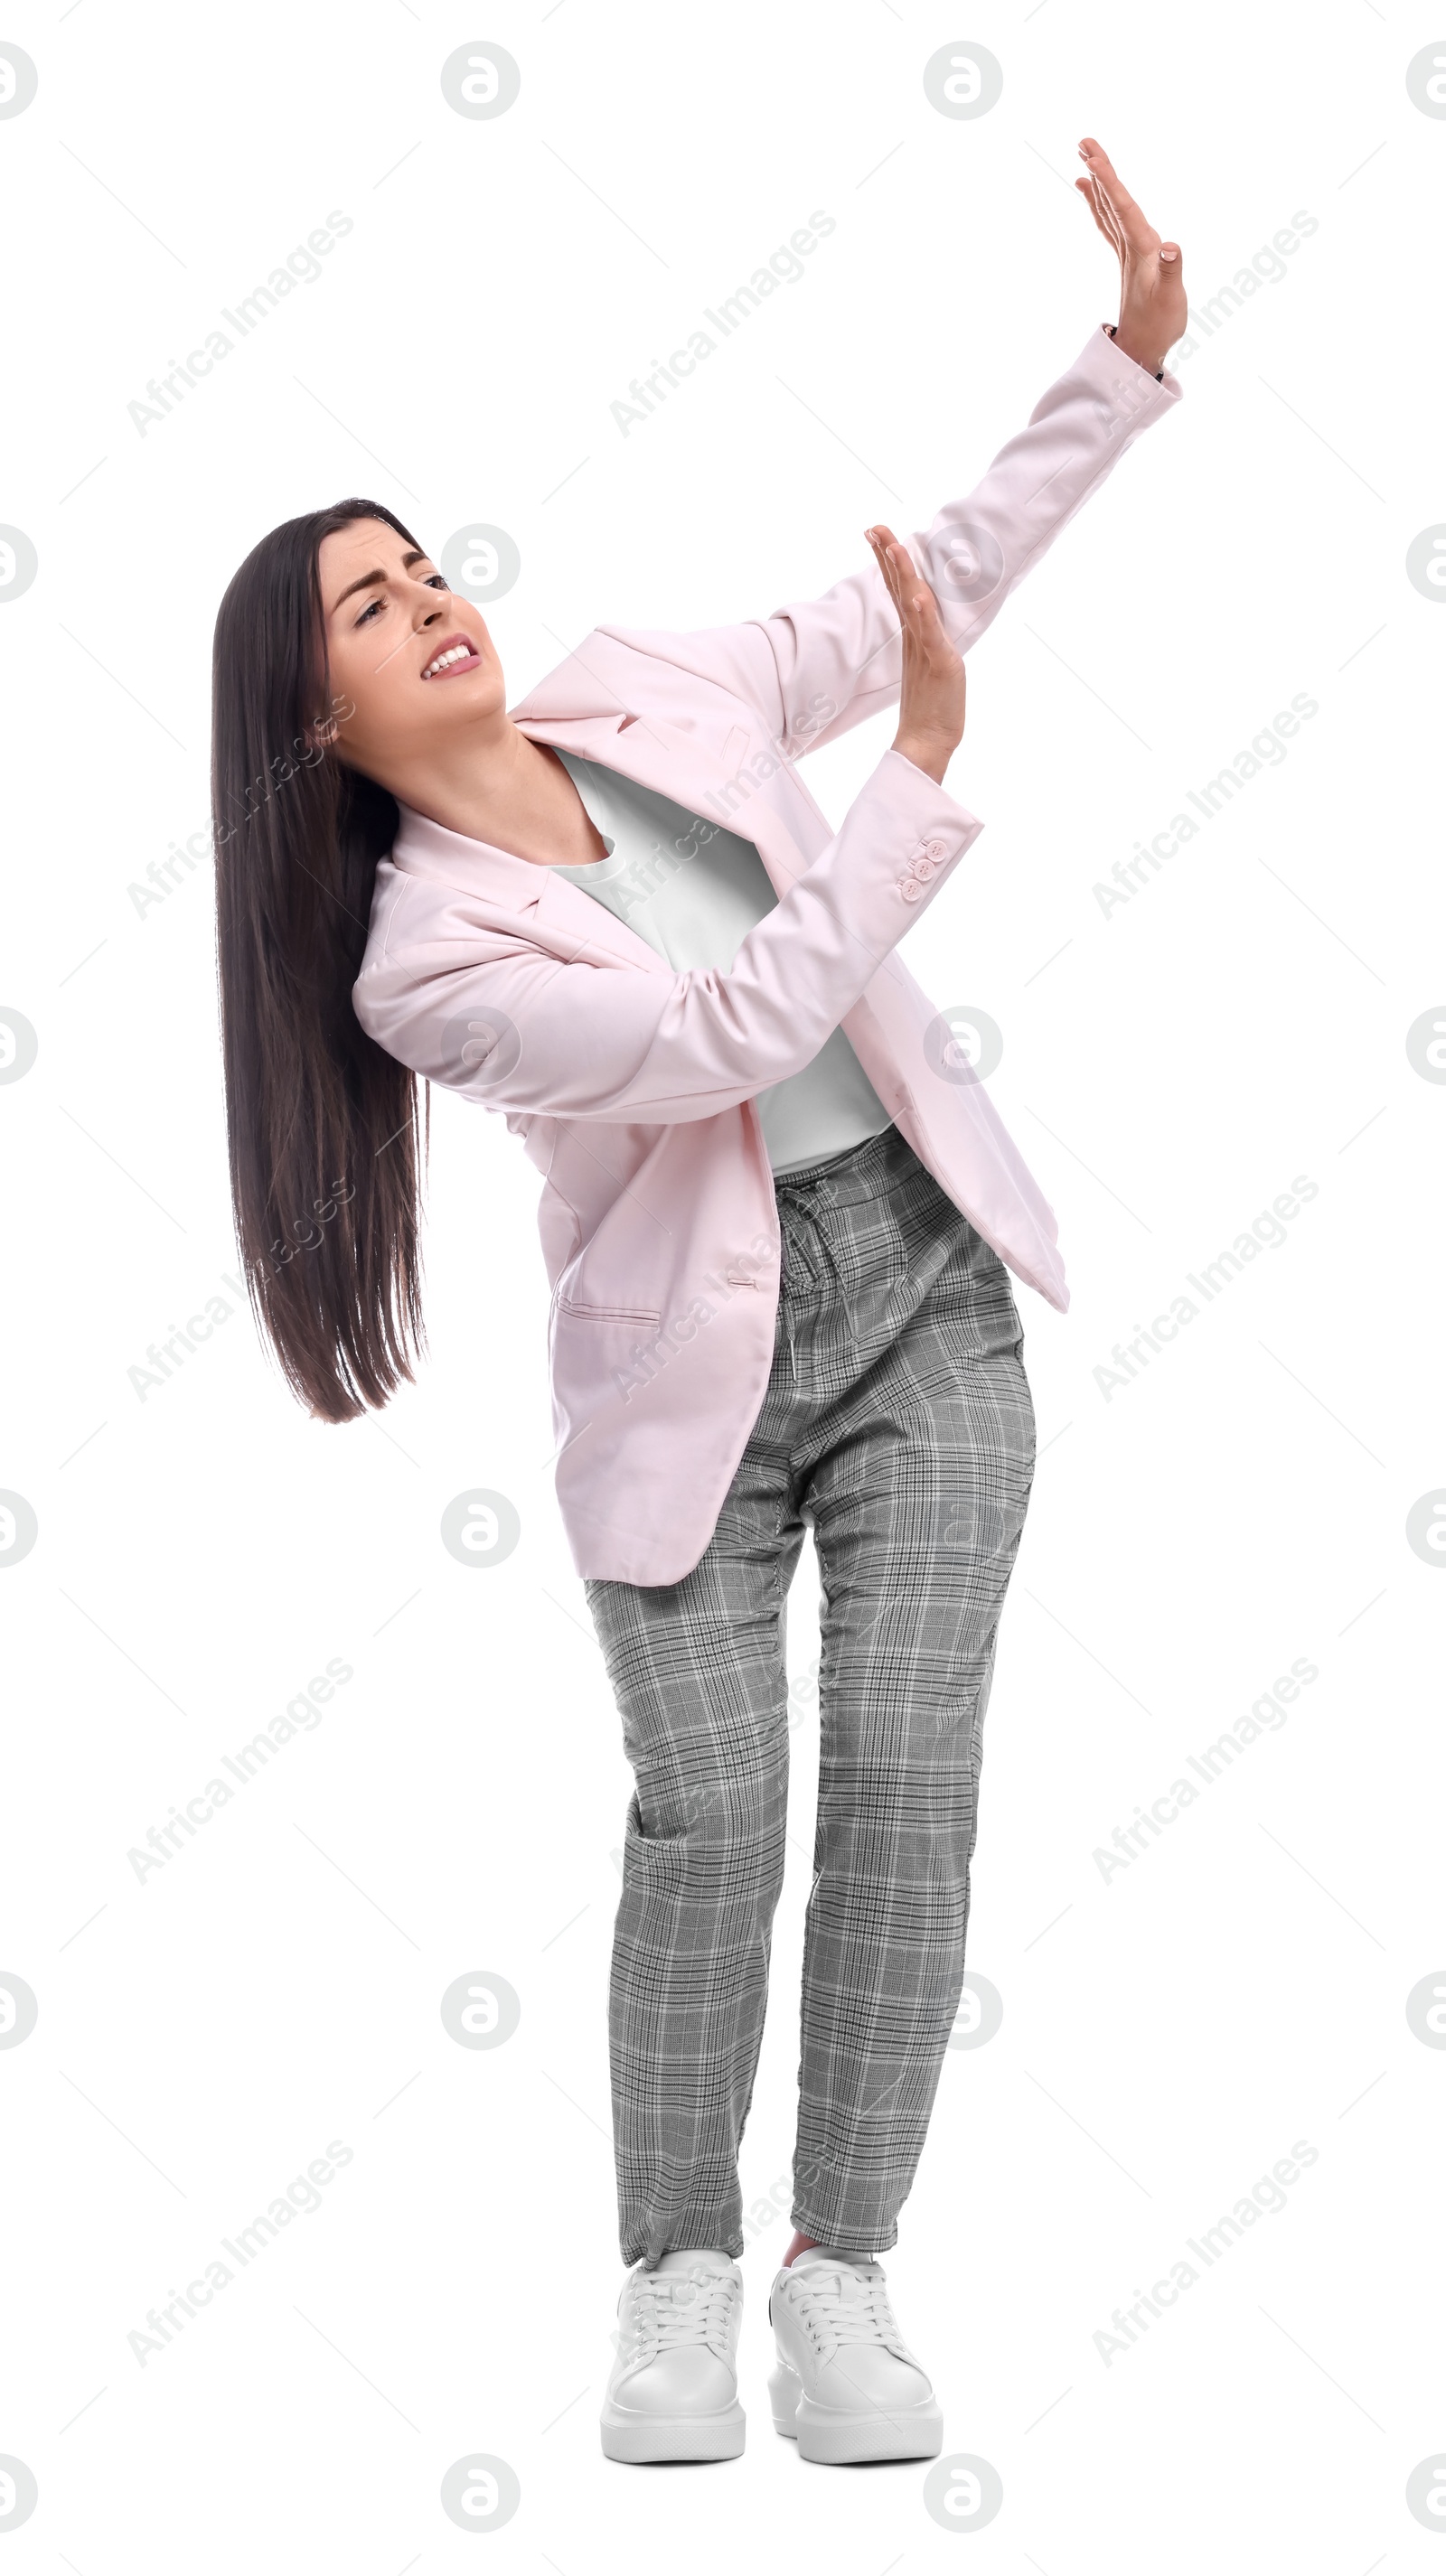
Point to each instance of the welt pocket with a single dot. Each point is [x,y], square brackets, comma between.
[608,1314]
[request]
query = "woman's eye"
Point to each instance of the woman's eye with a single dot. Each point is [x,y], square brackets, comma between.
[372,610]
[435,581]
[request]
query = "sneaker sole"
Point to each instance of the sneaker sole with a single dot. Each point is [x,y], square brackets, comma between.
[836,2440]
[644,2439]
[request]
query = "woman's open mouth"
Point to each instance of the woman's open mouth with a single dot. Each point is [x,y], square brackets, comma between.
[459,653]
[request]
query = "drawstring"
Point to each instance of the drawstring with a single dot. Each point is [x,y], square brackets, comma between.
[798,1210]
[796,1256]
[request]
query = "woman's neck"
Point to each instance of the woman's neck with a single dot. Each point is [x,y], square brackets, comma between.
[514,794]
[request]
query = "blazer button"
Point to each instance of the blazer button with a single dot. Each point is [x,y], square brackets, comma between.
[936,849]
[910,889]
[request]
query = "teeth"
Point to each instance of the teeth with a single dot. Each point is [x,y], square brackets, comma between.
[458,653]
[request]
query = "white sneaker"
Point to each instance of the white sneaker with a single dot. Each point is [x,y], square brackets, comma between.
[673,2390]
[847,2386]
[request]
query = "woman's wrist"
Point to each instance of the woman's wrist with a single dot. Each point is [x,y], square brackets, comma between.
[1142,351]
[930,752]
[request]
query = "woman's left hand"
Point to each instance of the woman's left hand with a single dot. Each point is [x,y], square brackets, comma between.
[932,689]
[1153,309]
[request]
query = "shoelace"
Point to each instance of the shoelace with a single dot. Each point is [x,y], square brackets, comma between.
[683,2307]
[852,2306]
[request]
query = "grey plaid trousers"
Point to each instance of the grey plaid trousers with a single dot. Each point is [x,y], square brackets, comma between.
[897,1421]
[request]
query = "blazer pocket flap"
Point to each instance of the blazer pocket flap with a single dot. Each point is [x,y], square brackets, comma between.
[608,1314]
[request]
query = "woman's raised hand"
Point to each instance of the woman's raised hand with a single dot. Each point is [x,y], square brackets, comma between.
[1153,308]
[931,700]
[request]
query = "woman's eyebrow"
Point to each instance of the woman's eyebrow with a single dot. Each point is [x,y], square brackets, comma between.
[364,580]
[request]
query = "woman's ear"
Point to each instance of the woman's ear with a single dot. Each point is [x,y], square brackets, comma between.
[324,733]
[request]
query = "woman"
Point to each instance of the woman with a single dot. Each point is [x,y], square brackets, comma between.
[778,1216]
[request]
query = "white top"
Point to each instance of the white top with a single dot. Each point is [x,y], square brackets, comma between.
[693,891]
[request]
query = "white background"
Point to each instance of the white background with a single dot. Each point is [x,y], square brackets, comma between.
[1169,1068]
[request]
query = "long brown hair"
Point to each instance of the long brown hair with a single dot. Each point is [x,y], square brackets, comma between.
[327,1140]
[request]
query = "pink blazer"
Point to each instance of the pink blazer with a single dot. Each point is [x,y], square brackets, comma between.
[631,1086]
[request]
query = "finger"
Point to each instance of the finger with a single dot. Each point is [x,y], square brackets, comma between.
[916,603]
[1099,208]
[871,540]
[902,570]
[894,563]
[912,584]
[915,600]
[926,623]
[926,640]
[1109,220]
[882,564]
[1139,232]
[1097,161]
[1108,217]
[877,538]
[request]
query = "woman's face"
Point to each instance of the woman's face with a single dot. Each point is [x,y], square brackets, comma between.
[389,619]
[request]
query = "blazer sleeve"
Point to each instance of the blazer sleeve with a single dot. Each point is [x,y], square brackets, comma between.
[820,666]
[461,993]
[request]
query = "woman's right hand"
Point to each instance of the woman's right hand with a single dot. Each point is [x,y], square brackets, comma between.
[931,700]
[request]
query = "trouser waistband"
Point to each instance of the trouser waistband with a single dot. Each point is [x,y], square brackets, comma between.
[859,1172]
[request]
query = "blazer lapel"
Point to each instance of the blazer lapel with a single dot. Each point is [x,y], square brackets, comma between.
[722,771]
